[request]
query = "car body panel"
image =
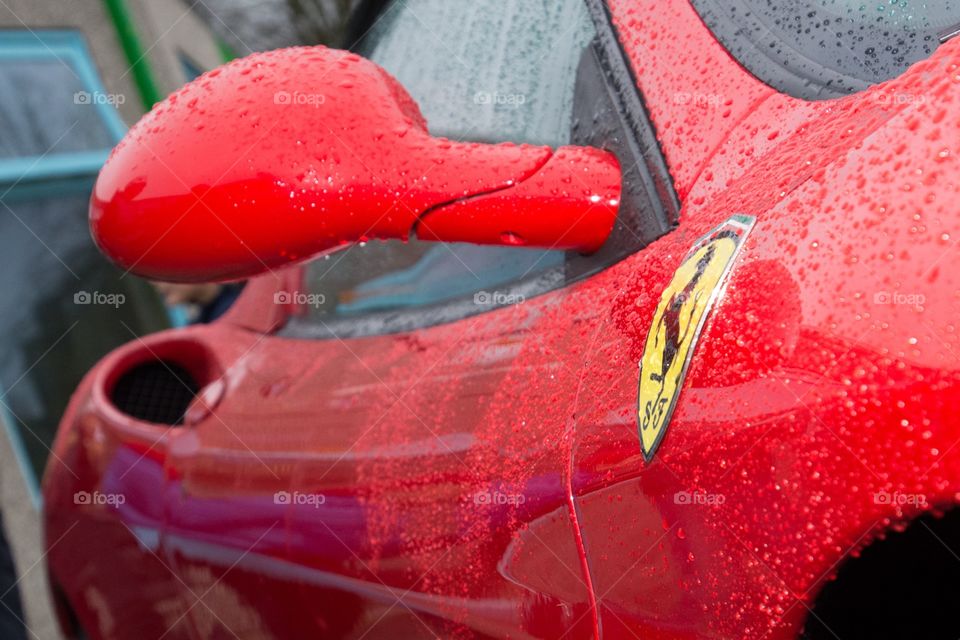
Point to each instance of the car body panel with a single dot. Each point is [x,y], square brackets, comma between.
[824,379]
[825,376]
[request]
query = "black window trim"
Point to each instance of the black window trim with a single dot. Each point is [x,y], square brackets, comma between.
[643,148]
[633,109]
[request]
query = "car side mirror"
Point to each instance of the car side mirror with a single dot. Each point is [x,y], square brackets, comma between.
[281,156]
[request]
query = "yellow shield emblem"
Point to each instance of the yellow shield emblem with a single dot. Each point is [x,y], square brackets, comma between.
[676,326]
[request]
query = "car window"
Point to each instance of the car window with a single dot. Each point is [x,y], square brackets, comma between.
[489,70]
[484,70]
[817,49]
[30,128]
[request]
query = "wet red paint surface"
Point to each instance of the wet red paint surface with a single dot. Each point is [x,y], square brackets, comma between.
[484,478]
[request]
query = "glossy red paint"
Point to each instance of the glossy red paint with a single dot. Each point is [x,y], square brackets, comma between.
[234,175]
[809,393]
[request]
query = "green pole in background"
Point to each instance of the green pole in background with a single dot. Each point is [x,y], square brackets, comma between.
[133,49]
[226,52]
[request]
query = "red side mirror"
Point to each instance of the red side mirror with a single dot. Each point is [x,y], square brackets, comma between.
[283,155]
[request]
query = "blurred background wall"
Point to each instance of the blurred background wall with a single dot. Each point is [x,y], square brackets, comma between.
[73,76]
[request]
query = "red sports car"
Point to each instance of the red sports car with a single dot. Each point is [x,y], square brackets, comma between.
[564,320]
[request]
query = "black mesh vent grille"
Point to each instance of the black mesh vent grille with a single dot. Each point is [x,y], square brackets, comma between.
[155,392]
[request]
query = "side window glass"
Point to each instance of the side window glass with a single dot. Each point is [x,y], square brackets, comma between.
[489,70]
[32,129]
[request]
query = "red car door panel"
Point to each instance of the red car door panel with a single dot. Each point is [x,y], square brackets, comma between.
[805,373]
[432,465]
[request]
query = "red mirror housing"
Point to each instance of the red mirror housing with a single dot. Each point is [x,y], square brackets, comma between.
[280,156]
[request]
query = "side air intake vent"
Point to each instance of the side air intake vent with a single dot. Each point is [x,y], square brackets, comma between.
[157,391]
[904,586]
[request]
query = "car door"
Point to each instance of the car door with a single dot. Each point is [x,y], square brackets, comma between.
[421,399]
[784,446]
